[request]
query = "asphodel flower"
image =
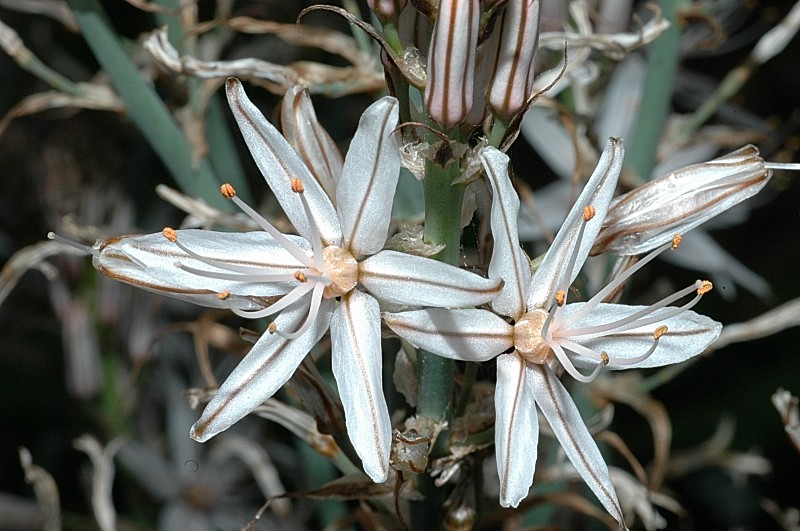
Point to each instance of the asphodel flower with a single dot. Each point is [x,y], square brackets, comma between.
[329,277]
[532,329]
[648,216]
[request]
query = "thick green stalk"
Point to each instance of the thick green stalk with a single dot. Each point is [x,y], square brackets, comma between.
[144,106]
[662,64]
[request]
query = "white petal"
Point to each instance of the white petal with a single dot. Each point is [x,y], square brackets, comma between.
[357,362]
[570,430]
[279,163]
[508,259]
[268,365]
[470,335]
[310,140]
[412,280]
[149,261]
[688,335]
[516,433]
[366,189]
[652,214]
[552,273]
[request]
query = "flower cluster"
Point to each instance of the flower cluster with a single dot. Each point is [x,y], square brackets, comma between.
[337,276]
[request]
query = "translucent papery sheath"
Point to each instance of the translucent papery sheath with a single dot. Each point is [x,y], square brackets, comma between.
[651,214]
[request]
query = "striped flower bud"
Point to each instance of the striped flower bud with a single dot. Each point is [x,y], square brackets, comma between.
[512,79]
[451,61]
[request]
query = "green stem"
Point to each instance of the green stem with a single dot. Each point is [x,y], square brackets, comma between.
[662,64]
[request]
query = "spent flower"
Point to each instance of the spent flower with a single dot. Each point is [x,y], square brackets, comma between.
[545,331]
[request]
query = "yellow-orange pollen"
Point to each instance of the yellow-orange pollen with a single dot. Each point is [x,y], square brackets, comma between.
[170,234]
[272,327]
[705,287]
[342,270]
[561,297]
[604,357]
[588,212]
[528,337]
[222,295]
[676,241]
[297,185]
[299,276]
[227,191]
[660,331]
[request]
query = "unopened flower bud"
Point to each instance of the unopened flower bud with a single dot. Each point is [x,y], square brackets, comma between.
[512,80]
[386,9]
[451,61]
[652,214]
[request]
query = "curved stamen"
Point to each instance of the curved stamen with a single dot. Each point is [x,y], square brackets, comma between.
[313,311]
[570,367]
[617,281]
[230,193]
[290,298]
[593,354]
[316,237]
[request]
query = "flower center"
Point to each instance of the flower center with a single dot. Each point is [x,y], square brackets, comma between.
[341,269]
[528,338]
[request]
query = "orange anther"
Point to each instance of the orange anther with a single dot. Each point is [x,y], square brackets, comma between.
[705,287]
[660,331]
[272,327]
[170,234]
[222,295]
[297,185]
[604,357]
[588,212]
[298,275]
[676,241]
[561,297]
[227,191]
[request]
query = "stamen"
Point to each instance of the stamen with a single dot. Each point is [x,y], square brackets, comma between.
[299,276]
[290,298]
[235,275]
[588,212]
[272,327]
[316,238]
[660,331]
[604,357]
[570,367]
[85,248]
[633,320]
[676,241]
[316,300]
[223,295]
[614,284]
[266,226]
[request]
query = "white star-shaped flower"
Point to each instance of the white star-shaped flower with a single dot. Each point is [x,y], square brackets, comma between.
[329,277]
[532,329]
